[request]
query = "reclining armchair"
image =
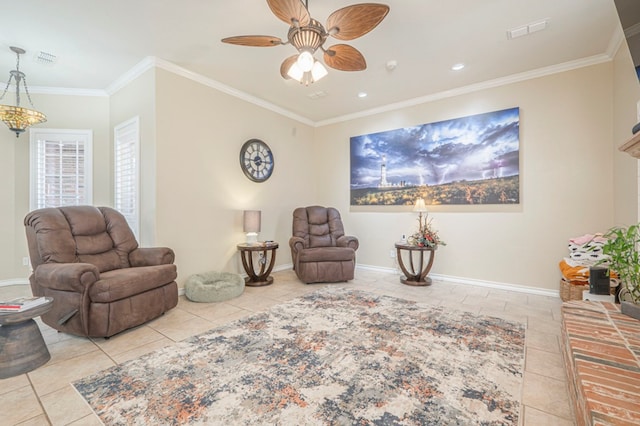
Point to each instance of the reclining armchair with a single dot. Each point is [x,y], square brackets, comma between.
[87,259]
[319,249]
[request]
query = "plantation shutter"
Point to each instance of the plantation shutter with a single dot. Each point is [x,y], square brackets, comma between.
[61,168]
[126,171]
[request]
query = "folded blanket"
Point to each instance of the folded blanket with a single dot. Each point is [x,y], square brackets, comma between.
[597,238]
[577,272]
[587,249]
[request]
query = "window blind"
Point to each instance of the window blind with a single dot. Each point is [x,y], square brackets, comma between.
[61,168]
[126,172]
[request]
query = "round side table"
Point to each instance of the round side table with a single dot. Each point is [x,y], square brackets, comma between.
[22,347]
[415,275]
[266,261]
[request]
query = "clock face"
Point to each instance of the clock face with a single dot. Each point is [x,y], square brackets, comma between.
[256,160]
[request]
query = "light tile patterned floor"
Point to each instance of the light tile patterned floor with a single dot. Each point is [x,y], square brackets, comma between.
[45,396]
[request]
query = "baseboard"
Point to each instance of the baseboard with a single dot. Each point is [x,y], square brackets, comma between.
[472,281]
[14,281]
[284,267]
[449,278]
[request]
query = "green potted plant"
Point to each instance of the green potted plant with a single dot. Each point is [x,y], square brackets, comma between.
[623,251]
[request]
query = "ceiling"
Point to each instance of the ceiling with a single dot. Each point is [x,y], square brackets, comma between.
[97,42]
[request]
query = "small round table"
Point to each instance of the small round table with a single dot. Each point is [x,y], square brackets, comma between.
[267,252]
[21,343]
[413,275]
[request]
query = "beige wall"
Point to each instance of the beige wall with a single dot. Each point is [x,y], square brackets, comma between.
[626,93]
[565,162]
[138,99]
[201,189]
[63,112]
[194,190]
[9,223]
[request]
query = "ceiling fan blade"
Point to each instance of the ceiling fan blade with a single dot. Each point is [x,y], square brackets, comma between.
[355,21]
[286,64]
[253,40]
[344,58]
[290,11]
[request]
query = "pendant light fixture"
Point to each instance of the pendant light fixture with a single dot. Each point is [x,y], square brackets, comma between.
[16,117]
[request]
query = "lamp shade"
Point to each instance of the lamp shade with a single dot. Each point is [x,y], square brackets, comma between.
[420,206]
[251,221]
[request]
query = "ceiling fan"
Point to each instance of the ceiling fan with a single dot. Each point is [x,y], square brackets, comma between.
[308,35]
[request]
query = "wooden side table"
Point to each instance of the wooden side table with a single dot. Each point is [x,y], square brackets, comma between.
[267,251]
[22,347]
[415,276]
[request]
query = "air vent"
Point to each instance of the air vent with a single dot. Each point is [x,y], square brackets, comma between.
[46,58]
[527,29]
[317,95]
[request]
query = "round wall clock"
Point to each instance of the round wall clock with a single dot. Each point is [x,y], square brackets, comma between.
[256,160]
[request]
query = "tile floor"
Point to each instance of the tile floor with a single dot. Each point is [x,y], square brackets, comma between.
[45,396]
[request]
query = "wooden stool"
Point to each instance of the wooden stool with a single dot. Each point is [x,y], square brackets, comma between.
[22,347]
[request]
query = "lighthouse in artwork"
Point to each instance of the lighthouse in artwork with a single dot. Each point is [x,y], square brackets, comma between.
[383,172]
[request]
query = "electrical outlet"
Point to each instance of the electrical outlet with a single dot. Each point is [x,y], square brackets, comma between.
[392,253]
[25,261]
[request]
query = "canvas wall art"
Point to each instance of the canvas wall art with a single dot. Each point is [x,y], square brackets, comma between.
[468,160]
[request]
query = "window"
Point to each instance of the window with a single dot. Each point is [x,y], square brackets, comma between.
[61,168]
[126,172]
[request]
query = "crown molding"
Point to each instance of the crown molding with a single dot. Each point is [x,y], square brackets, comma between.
[153,62]
[489,84]
[65,91]
[615,42]
[138,69]
[632,30]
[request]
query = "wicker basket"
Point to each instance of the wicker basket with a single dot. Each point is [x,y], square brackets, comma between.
[569,291]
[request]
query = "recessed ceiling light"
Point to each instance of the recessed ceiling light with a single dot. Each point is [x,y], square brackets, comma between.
[362,94]
[457,67]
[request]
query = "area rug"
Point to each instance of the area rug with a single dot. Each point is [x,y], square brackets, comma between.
[333,357]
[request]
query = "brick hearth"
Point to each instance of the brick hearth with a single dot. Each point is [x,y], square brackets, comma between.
[601,350]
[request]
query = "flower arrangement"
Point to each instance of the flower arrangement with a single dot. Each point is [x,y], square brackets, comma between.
[426,236]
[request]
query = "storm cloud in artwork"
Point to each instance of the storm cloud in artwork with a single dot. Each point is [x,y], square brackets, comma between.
[474,148]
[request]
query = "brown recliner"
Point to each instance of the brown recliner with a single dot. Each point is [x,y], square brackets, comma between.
[319,249]
[87,259]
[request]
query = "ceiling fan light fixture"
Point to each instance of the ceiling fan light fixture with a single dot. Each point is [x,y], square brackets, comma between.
[318,71]
[305,60]
[308,35]
[295,72]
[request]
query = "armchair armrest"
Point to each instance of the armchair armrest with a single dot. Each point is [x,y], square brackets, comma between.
[76,277]
[151,256]
[296,244]
[348,241]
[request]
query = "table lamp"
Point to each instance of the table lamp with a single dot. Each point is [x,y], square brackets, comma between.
[251,225]
[420,207]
